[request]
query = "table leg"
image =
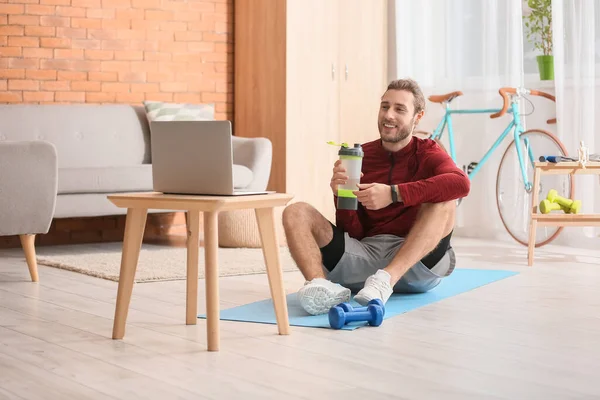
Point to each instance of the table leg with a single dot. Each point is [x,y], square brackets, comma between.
[266,224]
[132,242]
[533,221]
[211,266]
[531,247]
[193,241]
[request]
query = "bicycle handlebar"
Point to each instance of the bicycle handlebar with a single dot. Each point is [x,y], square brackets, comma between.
[505,91]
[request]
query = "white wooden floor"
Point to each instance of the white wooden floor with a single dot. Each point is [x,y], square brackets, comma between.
[532,336]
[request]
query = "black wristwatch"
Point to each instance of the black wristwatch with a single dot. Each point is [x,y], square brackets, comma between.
[394,194]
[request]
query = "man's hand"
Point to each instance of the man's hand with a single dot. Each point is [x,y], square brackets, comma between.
[374,196]
[339,176]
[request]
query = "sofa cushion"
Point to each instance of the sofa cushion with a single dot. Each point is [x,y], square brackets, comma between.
[132,178]
[161,111]
[105,179]
[85,135]
[242,176]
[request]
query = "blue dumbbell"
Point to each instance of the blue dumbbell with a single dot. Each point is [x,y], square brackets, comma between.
[349,308]
[338,317]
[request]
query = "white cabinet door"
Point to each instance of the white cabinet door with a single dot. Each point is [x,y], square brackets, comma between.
[312,81]
[363,49]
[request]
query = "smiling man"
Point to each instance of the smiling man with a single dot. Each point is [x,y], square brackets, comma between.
[399,238]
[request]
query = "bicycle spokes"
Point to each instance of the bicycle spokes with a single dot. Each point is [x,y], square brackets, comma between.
[530,152]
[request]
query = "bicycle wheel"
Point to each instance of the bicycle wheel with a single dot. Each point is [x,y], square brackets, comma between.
[427,135]
[513,201]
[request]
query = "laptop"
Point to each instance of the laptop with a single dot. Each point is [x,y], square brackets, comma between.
[193,157]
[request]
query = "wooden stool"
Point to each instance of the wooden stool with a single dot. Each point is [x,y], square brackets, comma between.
[137,205]
[558,219]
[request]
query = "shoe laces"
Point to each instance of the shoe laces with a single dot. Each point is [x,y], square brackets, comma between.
[378,284]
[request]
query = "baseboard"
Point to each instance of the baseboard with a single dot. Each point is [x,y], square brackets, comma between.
[161,228]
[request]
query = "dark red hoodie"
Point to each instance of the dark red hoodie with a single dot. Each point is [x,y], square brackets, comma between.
[424,173]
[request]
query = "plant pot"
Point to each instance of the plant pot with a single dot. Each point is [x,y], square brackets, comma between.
[546,67]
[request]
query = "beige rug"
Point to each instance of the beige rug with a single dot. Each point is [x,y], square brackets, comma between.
[156,263]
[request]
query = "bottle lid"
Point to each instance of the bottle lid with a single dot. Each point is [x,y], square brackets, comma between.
[356,151]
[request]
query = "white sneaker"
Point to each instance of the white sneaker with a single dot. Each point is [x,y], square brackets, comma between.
[377,286]
[319,295]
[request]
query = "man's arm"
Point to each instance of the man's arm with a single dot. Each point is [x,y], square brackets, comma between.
[348,221]
[446,182]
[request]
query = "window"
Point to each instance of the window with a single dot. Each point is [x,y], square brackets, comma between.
[573,26]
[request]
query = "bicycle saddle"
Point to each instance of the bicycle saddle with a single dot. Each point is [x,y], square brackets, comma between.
[444,97]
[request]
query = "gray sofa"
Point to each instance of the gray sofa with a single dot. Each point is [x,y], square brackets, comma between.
[100,149]
[105,149]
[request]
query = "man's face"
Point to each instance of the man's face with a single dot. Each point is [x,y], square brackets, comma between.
[396,119]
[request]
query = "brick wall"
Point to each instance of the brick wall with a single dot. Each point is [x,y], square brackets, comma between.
[115,51]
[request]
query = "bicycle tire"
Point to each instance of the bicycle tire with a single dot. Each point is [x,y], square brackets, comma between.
[571,188]
[427,135]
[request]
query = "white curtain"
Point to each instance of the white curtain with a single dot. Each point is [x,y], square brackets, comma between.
[576,34]
[475,46]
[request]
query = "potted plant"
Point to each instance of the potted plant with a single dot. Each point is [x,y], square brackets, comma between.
[538,26]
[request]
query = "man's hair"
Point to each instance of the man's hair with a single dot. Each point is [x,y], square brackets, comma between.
[410,86]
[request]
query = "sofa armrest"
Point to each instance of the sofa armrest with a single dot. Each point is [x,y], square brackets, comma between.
[28,186]
[256,154]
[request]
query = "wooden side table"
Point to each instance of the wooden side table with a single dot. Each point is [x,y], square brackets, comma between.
[137,205]
[558,218]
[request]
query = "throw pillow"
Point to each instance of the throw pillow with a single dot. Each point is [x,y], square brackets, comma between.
[161,111]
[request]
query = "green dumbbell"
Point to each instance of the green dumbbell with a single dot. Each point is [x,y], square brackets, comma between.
[546,206]
[575,207]
[568,205]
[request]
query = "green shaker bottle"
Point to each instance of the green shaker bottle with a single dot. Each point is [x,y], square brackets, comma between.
[352,158]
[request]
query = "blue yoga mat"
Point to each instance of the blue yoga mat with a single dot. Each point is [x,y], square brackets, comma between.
[460,281]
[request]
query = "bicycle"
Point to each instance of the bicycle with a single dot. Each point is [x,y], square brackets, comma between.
[514,179]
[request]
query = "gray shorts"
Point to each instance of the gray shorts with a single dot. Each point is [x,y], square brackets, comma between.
[362,258]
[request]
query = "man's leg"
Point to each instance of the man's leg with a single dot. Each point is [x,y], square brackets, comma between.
[308,232]
[434,221]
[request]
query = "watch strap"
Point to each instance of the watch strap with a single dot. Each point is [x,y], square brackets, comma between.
[394,194]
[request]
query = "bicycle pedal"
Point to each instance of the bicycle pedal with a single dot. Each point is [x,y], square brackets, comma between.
[472,166]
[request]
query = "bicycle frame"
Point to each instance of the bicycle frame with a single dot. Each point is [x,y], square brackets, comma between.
[514,125]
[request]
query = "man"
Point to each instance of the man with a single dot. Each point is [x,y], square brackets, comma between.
[399,238]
